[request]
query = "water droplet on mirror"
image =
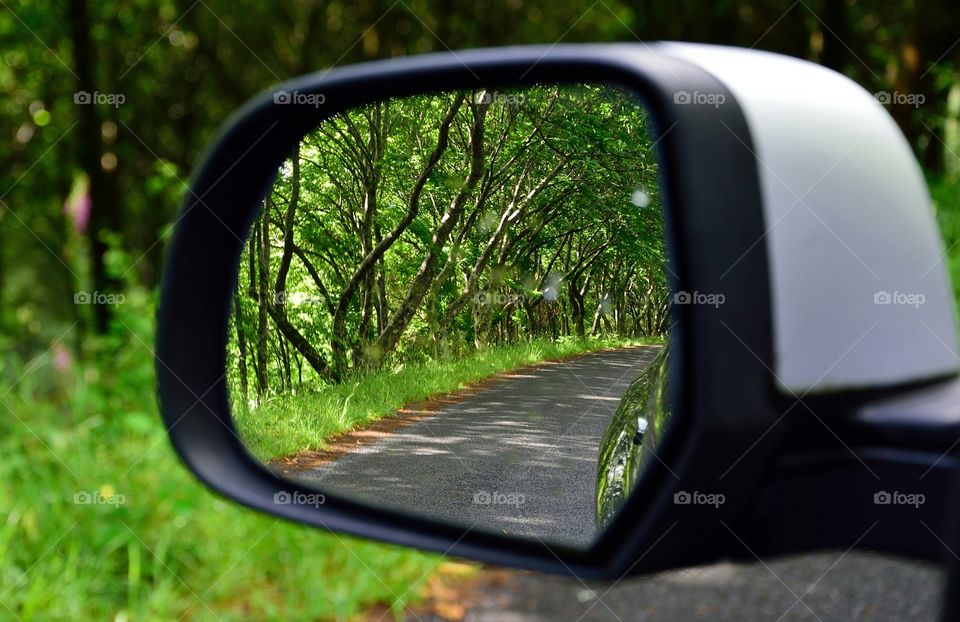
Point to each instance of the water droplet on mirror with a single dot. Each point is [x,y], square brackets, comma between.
[640,198]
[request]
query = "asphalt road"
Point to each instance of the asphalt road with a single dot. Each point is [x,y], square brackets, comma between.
[824,587]
[519,457]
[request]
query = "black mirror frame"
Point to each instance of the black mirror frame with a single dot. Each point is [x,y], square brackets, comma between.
[721,397]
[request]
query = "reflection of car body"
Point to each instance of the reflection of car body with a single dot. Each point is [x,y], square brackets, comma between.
[631,438]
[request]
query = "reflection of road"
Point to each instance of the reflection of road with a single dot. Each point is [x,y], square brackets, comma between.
[519,457]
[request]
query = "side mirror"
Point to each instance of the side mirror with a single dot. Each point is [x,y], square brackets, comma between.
[757,222]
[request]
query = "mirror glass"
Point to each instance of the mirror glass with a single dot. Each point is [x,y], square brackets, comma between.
[457,305]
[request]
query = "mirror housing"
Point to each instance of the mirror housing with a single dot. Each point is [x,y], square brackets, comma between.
[739,353]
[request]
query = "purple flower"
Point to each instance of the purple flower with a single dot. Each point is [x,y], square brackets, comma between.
[61,358]
[77,207]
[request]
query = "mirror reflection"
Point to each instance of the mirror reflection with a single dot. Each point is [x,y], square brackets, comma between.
[456,305]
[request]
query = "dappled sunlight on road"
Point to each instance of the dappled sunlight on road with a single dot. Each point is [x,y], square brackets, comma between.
[519,457]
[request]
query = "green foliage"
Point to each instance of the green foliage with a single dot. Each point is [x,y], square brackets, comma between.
[945,192]
[156,545]
[441,224]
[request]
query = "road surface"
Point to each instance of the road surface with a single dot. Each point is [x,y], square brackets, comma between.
[822,587]
[518,457]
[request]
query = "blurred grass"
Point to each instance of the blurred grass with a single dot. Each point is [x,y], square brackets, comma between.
[284,424]
[159,546]
[155,544]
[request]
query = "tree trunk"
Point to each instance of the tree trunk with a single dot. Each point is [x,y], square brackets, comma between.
[263,290]
[105,214]
[369,262]
[298,341]
[426,273]
[277,308]
[241,344]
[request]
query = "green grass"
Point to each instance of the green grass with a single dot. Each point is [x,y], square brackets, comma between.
[285,424]
[171,550]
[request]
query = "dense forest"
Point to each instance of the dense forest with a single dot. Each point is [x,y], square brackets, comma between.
[163,74]
[435,225]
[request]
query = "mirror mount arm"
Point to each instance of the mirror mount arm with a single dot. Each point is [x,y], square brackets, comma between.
[884,477]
